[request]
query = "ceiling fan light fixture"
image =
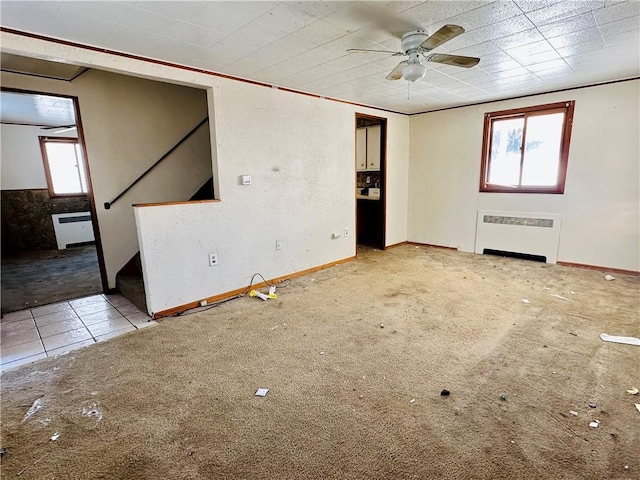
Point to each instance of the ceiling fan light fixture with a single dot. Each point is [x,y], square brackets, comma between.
[414,72]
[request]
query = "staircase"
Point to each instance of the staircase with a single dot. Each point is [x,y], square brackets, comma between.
[129,281]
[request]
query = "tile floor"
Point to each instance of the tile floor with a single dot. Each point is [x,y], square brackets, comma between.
[49,330]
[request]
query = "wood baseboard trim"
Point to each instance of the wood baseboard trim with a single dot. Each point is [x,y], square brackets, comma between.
[418,244]
[395,245]
[239,291]
[601,269]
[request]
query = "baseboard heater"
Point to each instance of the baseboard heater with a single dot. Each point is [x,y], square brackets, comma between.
[531,236]
[72,228]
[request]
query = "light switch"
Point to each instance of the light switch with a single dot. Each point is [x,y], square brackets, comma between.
[246,180]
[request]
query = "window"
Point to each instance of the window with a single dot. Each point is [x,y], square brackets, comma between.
[526,150]
[64,166]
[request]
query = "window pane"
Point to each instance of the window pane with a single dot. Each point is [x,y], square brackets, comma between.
[83,173]
[63,167]
[542,151]
[506,140]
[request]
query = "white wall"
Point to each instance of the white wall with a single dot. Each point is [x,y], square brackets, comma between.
[300,153]
[600,207]
[128,124]
[397,178]
[22,163]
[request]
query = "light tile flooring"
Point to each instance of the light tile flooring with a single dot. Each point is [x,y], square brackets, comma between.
[49,330]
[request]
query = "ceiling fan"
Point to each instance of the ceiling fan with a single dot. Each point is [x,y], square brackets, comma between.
[62,128]
[418,42]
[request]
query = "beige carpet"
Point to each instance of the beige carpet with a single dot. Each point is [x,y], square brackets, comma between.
[355,358]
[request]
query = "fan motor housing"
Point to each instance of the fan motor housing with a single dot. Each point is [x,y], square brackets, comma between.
[412,40]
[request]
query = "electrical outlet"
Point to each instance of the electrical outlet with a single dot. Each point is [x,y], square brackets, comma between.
[213,259]
[346,232]
[278,244]
[368,180]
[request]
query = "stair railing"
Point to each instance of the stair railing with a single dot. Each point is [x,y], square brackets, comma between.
[107,205]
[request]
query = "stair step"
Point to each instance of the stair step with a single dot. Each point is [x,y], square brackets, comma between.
[131,287]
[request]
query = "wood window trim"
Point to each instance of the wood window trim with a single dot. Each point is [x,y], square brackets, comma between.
[47,170]
[525,112]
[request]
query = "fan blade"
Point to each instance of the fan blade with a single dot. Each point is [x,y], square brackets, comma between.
[455,60]
[395,54]
[396,73]
[53,127]
[443,35]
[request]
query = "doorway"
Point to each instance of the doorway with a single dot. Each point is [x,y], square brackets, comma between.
[50,242]
[371,147]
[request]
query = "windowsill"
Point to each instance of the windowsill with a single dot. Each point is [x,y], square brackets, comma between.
[544,190]
[167,204]
[68,195]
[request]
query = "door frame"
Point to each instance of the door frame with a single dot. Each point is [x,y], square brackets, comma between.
[92,202]
[383,175]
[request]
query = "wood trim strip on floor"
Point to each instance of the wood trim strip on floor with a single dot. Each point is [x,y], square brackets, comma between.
[596,267]
[432,245]
[166,204]
[238,291]
[395,245]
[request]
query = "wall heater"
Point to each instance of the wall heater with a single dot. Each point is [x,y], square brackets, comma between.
[528,234]
[71,228]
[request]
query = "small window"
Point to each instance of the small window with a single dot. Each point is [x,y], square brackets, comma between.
[64,166]
[526,150]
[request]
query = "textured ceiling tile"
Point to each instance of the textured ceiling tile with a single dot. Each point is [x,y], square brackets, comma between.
[575,38]
[558,11]
[485,15]
[513,73]
[518,39]
[595,4]
[630,39]
[474,76]
[529,5]
[581,48]
[227,17]
[541,57]
[569,25]
[391,8]
[113,12]
[29,16]
[439,12]
[529,49]
[352,17]
[355,40]
[131,40]
[320,32]
[631,24]
[478,50]
[183,10]
[618,11]
[283,19]
[189,33]
[563,70]
[74,28]
[285,43]
[146,21]
[504,28]
[318,9]
[493,58]
[554,64]
[375,34]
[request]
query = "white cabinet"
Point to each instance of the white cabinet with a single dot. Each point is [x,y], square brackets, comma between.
[373,147]
[361,149]
[368,148]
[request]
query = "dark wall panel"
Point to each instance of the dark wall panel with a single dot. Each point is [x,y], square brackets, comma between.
[26,218]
